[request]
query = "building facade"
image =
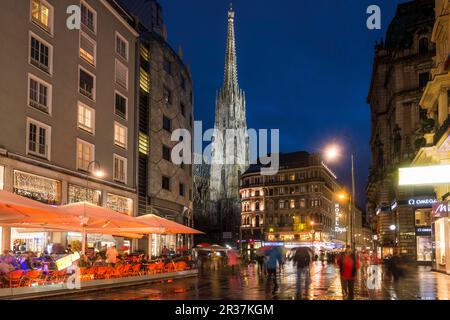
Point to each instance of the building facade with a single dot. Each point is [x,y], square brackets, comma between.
[229,146]
[401,70]
[164,104]
[298,206]
[67,105]
[435,151]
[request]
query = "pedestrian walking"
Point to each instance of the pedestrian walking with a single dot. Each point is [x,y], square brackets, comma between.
[215,257]
[322,258]
[232,259]
[302,261]
[348,265]
[274,259]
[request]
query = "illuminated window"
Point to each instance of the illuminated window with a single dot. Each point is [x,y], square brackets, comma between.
[120,135]
[144,81]
[145,53]
[292,204]
[119,204]
[292,177]
[86,117]
[85,154]
[143,143]
[88,48]
[120,169]
[42,14]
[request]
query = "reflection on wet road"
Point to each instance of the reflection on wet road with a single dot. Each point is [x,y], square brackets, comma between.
[248,284]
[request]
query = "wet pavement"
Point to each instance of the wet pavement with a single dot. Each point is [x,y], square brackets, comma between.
[420,283]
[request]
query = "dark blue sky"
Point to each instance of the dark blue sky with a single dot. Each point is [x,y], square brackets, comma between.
[305,66]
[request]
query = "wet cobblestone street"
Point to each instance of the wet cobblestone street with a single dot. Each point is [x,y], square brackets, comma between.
[420,283]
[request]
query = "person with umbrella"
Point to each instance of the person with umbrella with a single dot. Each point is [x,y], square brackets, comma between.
[274,259]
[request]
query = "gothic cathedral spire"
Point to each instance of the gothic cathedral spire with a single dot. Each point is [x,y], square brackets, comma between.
[231,80]
[230,144]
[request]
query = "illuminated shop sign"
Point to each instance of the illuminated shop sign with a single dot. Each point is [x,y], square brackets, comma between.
[67,261]
[423,230]
[421,202]
[415,202]
[440,209]
[424,175]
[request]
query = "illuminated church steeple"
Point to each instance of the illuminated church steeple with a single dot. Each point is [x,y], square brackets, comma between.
[229,152]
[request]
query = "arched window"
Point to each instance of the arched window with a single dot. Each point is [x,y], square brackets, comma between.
[257,206]
[257,222]
[423,45]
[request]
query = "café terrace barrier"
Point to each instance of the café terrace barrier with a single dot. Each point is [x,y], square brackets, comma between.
[17,282]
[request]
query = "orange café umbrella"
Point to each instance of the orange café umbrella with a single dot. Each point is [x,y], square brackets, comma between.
[95,219]
[166,226]
[15,209]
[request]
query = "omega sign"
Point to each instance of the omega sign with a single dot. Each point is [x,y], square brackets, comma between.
[421,202]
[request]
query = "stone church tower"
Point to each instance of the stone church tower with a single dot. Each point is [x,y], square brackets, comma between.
[230,143]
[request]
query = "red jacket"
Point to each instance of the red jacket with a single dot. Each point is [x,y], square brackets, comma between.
[348,265]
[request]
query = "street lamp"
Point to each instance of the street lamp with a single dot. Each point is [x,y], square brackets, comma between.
[332,152]
[96,172]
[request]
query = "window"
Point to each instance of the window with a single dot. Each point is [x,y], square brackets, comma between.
[167,95]
[121,46]
[167,124]
[119,204]
[292,204]
[88,48]
[120,169]
[167,65]
[87,84]
[38,139]
[182,189]
[120,135]
[143,143]
[302,203]
[281,204]
[121,74]
[80,194]
[183,109]
[166,183]
[166,153]
[85,154]
[88,17]
[121,106]
[40,94]
[42,14]
[423,79]
[86,117]
[40,54]
[144,80]
[423,46]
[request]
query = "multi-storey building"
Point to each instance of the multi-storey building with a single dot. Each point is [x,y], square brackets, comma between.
[165,104]
[67,103]
[295,207]
[435,151]
[401,71]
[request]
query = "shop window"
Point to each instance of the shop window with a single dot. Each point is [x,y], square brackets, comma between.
[37,188]
[80,194]
[119,204]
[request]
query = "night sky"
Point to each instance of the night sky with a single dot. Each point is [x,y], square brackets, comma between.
[305,66]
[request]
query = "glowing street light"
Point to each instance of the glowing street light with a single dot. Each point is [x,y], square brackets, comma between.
[332,152]
[392,227]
